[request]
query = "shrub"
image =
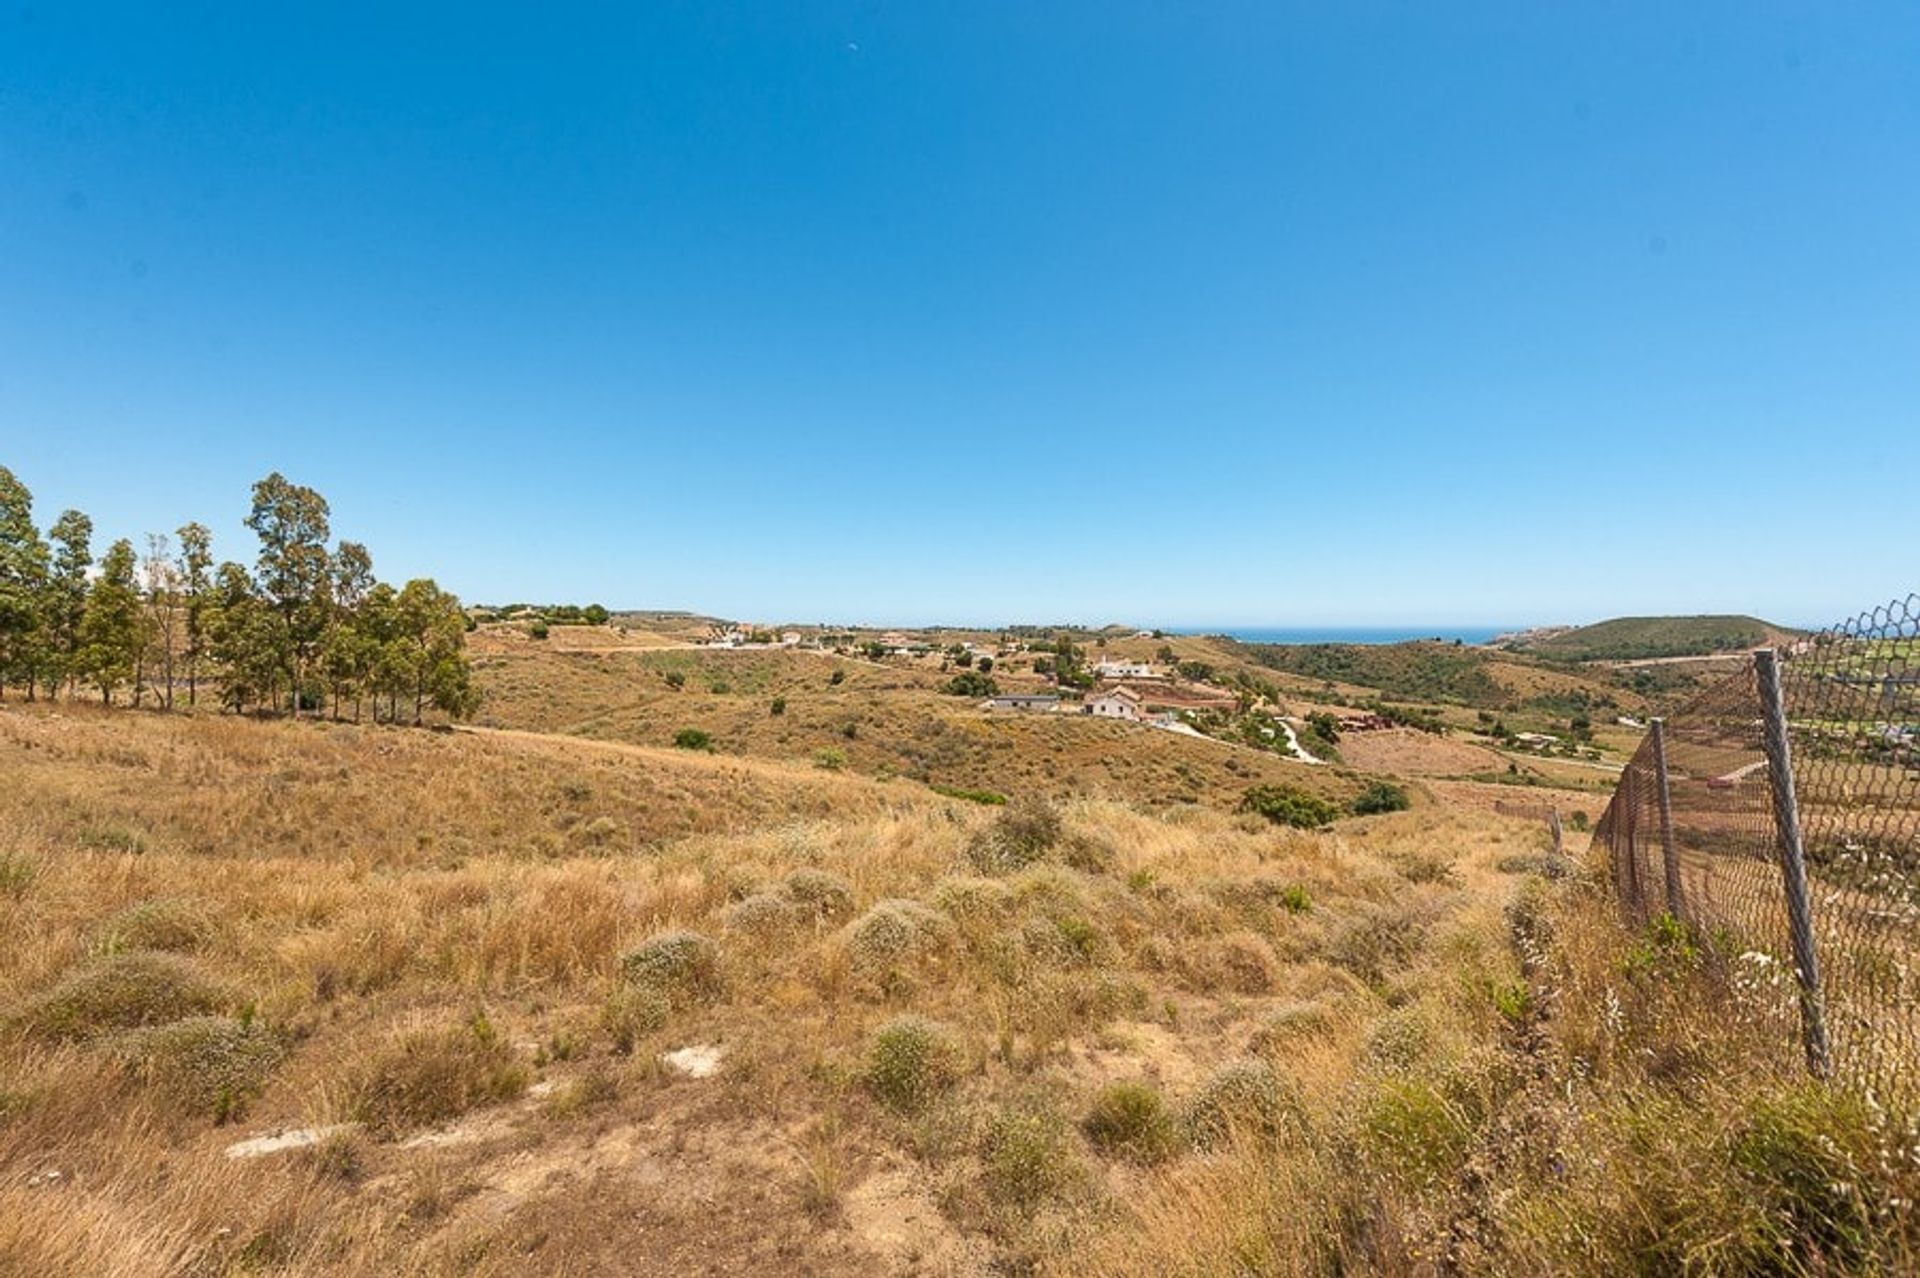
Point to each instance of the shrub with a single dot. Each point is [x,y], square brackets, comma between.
[1286,1027]
[1288,805]
[824,895]
[1243,1097]
[910,1061]
[1131,1121]
[681,967]
[837,678]
[1294,899]
[1023,833]
[1027,1156]
[971,683]
[1809,1154]
[213,1065]
[990,798]
[779,706]
[538,630]
[630,1014]
[424,1077]
[893,931]
[830,759]
[17,873]
[676,679]
[761,913]
[154,925]
[1381,796]
[1416,1132]
[125,991]
[693,739]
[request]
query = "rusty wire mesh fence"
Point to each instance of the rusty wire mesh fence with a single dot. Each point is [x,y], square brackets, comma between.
[1778,814]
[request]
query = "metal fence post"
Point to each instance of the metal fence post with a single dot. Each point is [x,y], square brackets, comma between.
[1793,861]
[1676,898]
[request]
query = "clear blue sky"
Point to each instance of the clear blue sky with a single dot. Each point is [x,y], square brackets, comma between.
[1177,313]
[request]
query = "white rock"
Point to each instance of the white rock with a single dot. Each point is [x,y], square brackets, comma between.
[699,1061]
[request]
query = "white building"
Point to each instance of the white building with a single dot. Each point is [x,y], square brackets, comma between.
[1111,669]
[1115,703]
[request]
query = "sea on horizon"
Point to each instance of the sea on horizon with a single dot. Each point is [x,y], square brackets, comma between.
[1348,634]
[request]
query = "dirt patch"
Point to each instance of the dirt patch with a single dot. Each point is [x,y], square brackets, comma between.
[1407,753]
[891,1216]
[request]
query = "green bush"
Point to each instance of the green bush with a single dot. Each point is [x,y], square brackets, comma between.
[1287,805]
[681,967]
[693,739]
[1130,1120]
[676,679]
[779,706]
[538,630]
[1381,796]
[971,683]
[1027,1156]
[910,1061]
[837,678]
[125,991]
[213,1065]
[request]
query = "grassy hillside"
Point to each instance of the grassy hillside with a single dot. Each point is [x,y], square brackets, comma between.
[1638,638]
[886,721]
[300,999]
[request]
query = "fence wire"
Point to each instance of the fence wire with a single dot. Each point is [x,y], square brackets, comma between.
[1715,856]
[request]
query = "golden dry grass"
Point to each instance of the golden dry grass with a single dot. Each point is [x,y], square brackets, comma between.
[1361,1073]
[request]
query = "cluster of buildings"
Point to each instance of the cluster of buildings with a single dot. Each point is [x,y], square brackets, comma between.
[1144,698]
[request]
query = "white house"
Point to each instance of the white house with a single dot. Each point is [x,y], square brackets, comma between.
[1115,703]
[1112,669]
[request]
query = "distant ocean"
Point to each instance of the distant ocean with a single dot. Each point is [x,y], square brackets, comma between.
[1347,634]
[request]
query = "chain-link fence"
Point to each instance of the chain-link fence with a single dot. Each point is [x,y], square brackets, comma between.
[1778,814]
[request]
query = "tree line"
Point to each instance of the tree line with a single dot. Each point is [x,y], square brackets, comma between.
[309,629]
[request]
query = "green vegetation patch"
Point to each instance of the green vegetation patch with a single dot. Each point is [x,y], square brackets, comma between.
[126,991]
[212,1065]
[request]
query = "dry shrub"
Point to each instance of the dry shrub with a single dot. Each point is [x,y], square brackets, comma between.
[762,914]
[681,967]
[1027,1156]
[1287,1027]
[894,932]
[819,893]
[211,1065]
[429,1075]
[1246,1098]
[1021,834]
[126,991]
[165,924]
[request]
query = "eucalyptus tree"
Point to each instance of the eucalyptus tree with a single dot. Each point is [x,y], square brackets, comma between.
[23,571]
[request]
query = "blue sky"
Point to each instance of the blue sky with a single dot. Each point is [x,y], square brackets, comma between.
[1236,313]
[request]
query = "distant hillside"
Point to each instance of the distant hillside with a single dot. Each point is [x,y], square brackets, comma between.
[1421,671]
[1634,638]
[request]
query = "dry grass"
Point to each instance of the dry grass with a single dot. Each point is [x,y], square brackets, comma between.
[1159,1040]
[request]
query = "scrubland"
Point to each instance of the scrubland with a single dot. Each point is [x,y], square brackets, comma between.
[517,1004]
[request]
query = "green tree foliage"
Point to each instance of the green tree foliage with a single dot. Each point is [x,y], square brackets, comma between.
[312,630]
[23,572]
[971,683]
[295,572]
[1381,796]
[114,630]
[1288,805]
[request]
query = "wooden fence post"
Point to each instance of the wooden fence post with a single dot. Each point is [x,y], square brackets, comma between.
[1793,862]
[1676,896]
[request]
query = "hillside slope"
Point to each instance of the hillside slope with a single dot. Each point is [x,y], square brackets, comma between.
[1639,638]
